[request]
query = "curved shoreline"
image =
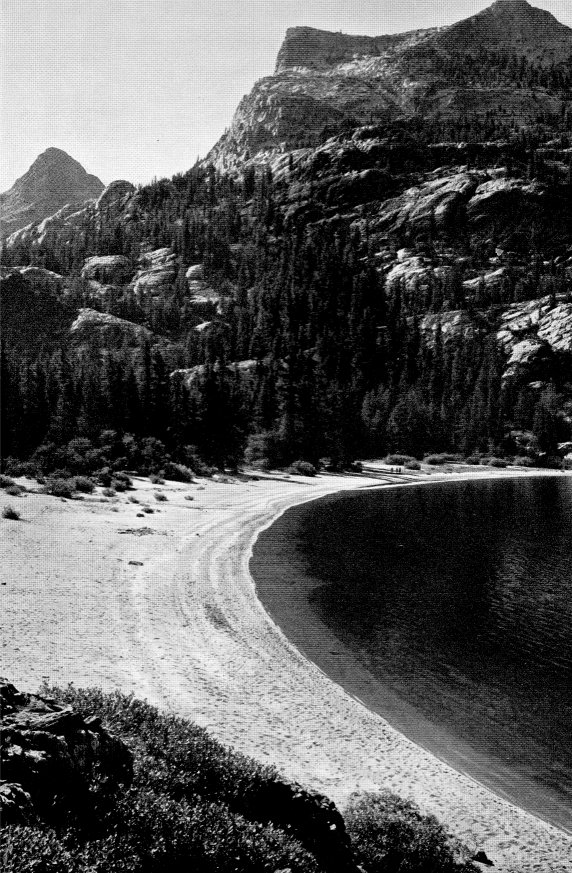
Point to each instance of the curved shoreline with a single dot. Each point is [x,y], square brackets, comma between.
[165,607]
[288,604]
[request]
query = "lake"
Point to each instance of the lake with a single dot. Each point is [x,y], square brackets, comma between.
[455,598]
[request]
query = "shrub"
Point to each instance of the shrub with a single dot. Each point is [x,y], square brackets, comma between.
[412,465]
[124,478]
[399,460]
[391,835]
[15,490]
[155,479]
[160,496]
[59,487]
[474,460]
[84,484]
[133,499]
[497,462]
[302,468]
[177,472]
[104,477]
[108,492]
[5,481]
[10,513]
[14,467]
[118,484]
[442,458]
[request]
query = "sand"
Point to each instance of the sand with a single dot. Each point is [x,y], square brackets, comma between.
[183,628]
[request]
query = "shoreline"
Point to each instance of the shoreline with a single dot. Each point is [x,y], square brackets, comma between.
[164,606]
[288,604]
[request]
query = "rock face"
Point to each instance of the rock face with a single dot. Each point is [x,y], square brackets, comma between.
[53,181]
[55,763]
[112,269]
[113,332]
[62,223]
[532,334]
[331,79]
[157,272]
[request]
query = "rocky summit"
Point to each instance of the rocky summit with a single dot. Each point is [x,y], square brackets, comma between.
[507,60]
[55,180]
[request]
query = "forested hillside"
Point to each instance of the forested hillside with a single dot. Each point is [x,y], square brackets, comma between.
[399,286]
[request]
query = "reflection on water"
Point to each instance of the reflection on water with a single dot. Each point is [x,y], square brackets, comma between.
[459,596]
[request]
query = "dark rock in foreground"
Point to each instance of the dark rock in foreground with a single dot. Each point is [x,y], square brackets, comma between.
[55,763]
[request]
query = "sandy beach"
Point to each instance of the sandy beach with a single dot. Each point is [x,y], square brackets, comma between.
[163,604]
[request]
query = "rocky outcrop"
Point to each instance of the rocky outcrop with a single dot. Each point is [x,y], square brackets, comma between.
[116,194]
[454,325]
[113,332]
[111,269]
[62,223]
[41,279]
[555,327]
[157,272]
[532,334]
[53,181]
[56,764]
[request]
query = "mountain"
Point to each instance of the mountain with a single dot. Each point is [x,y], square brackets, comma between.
[381,242]
[511,62]
[53,181]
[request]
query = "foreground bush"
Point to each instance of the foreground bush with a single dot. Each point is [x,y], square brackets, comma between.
[390,835]
[10,513]
[193,805]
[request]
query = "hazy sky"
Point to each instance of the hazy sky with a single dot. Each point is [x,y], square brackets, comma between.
[139,88]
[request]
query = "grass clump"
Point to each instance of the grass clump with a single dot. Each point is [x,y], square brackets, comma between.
[10,513]
[159,496]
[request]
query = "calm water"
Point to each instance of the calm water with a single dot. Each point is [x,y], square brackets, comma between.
[459,597]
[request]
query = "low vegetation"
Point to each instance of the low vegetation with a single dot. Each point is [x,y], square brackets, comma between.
[194,802]
[391,834]
[10,513]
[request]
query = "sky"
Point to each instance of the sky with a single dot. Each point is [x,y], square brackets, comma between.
[138,89]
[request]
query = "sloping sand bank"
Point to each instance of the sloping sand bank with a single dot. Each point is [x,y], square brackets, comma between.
[184,628]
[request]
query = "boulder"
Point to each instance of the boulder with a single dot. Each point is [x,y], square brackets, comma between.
[195,273]
[55,762]
[115,194]
[107,269]
[113,331]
